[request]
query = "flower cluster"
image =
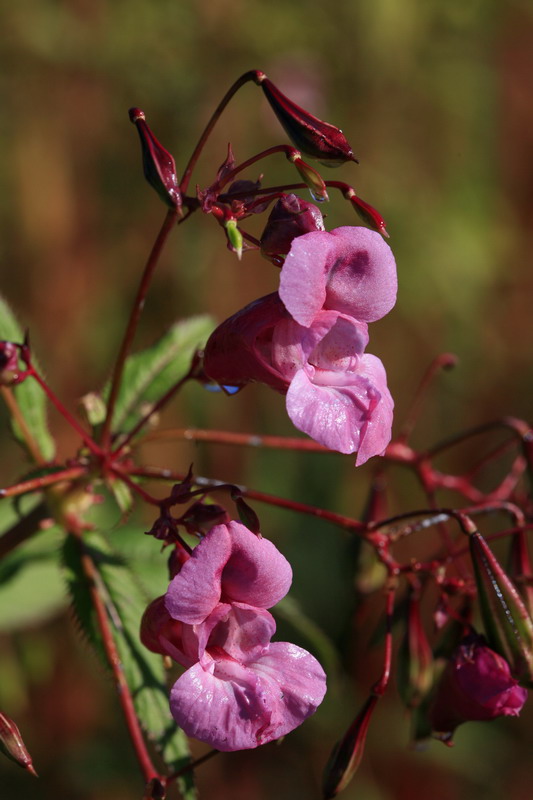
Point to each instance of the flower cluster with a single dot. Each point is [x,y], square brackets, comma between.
[308,340]
[240,689]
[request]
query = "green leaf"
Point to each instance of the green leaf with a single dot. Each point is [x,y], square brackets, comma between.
[144,671]
[31,589]
[29,396]
[152,372]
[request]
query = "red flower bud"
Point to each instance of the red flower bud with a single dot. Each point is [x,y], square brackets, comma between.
[312,136]
[310,176]
[156,622]
[290,217]
[159,166]
[415,658]
[368,213]
[347,753]
[476,685]
[12,744]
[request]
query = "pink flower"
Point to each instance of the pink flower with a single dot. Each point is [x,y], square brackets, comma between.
[239,690]
[230,565]
[476,685]
[350,269]
[245,691]
[336,393]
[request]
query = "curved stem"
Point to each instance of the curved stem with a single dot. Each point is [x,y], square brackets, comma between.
[129,335]
[248,76]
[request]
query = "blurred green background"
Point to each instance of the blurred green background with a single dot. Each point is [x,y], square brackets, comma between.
[436,100]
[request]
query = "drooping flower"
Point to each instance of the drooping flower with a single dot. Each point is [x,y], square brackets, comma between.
[476,685]
[335,392]
[348,269]
[239,689]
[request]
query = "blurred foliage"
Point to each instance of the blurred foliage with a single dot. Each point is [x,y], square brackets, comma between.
[436,100]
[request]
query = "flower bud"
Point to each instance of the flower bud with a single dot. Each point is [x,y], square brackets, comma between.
[312,136]
[235,240]
[508,626]
[347,753]
[312,179]
[367,213]
[159,166]
[12,744]
[9,363]
[476,685]
[289,218]
[415,658]
[157,622]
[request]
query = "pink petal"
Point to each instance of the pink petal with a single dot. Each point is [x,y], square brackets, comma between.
[230,564]
[292,343]
[302,284]
[345,418]
[243,632]
[349,269]
[234,707]
[195,591]
[226,714]
[300,678]
[376,433]
[362,281]
[256,574]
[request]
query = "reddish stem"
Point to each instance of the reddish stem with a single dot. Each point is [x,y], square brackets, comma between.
[330,516]
[444,361]
[35,484]
[129,335]
[65,413]
[239,439]
[155,408]
[290,152]
[91,573]
[248,76]
[379,688]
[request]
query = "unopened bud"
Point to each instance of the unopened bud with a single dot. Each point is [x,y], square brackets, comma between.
[309,134]
[367,213]
[347,753]
[158,164]
[312,179]
[12,744]
[234,235]
[415,658]
[476,685]
[508,626]
[290,217]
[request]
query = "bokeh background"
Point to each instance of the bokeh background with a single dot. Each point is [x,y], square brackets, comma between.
[436,100]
